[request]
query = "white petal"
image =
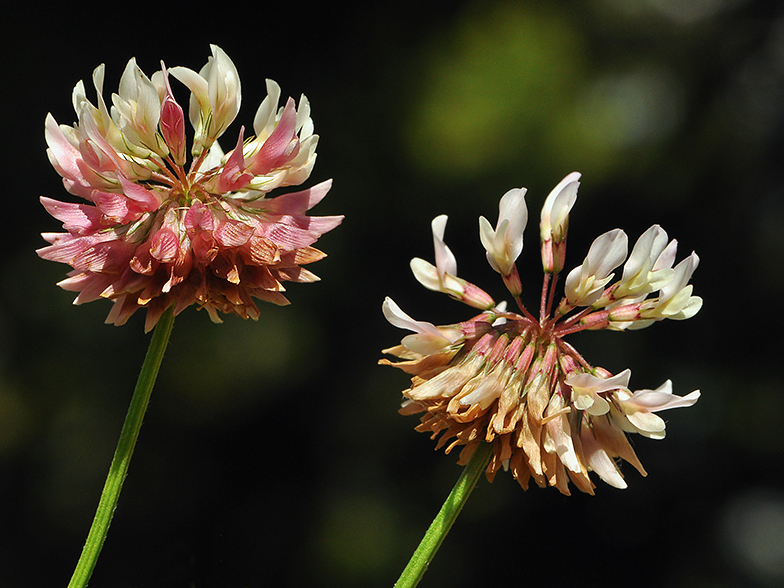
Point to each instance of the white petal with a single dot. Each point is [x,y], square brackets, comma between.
[646,421]
[667,257]
[607,252]
[395,315]
[599,461]
[645,252]
[584,285]
[445,260]
[426,274]
[264,121]
[487,237]
[660,278]
[583,401]
[654,401]
[505,243]
[683,273]
[596,384]
[691,308]
[557,206]
[425,343]
[599,407]
[512,208]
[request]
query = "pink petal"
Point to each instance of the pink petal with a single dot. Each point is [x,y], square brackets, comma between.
[61,150]
[122,310]
[113,206]
[297,202]
[66,247]
[205,248]
[287,237]
[278,146]
[147,200]
[317,224]
[655,401]
[234,175]
[261,251]
[231,233]
[198,218]
[76,218]
[164,246]
[296,274]
[109,256]
[172,122]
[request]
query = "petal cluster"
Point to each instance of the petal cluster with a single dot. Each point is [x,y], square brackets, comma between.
[511,379]
[160,231]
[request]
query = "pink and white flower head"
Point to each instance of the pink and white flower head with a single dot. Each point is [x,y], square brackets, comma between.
[511,379]
[157,233]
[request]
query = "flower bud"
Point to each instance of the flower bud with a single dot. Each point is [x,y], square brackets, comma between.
[554,222]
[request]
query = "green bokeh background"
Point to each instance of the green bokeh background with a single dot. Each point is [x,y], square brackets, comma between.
[272,453]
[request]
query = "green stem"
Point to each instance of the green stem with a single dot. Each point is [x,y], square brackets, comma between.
[445,518]
[122,455]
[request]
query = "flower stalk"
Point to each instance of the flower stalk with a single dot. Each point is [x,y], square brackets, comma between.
[445,518]
[122,455]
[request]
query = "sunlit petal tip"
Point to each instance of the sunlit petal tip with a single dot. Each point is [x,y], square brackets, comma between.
[557,206]
[426,274]
[504,244]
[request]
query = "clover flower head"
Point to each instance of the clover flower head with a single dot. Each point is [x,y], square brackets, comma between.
[513,380]
[158,231]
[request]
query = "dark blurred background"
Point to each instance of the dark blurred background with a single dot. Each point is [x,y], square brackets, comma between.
[272,453]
